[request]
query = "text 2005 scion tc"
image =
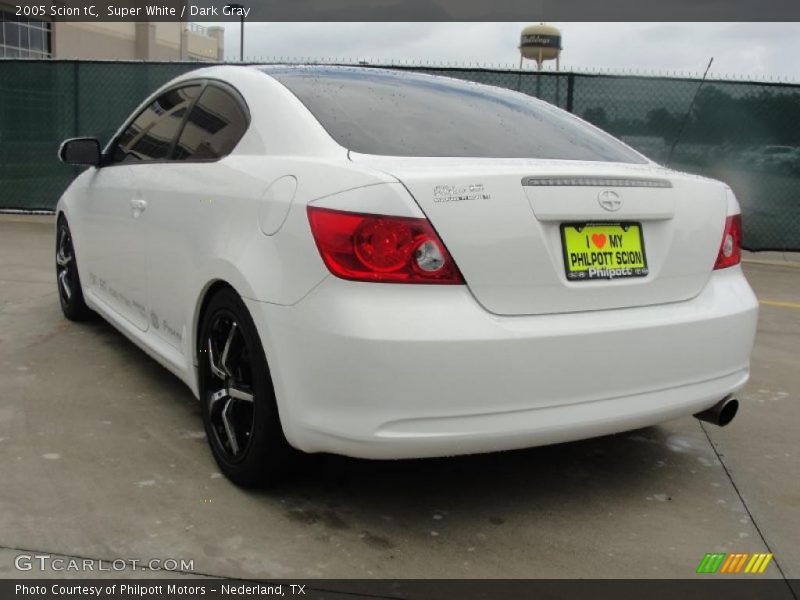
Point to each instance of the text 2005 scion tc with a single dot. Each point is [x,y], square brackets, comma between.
[390,265]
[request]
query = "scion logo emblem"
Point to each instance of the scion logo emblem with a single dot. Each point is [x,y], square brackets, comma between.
[610,200]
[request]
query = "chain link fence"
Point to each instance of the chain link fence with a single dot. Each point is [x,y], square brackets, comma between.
[746,134]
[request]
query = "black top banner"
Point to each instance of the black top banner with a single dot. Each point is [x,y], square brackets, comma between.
[405,10]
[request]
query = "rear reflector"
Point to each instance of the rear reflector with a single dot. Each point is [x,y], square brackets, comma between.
[730,251]
[366,247]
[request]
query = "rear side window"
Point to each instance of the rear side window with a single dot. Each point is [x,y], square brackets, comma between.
[214,127]
[394,113]
[151,134]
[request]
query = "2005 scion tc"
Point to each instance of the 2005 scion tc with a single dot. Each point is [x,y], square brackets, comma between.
[384,264]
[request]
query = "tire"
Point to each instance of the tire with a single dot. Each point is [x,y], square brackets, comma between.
[70,292]
[238,400]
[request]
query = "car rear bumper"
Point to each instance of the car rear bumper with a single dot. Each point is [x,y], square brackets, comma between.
[399,371]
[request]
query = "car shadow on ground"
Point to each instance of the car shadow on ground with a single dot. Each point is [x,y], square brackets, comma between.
[629,461]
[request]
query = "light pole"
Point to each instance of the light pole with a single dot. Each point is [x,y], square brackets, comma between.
[240,8]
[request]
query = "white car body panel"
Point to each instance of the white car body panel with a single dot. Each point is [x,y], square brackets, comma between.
[519,269]
[517,357]
[399,374]
[119,275]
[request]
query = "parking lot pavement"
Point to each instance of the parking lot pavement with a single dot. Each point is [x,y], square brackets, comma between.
[103,456]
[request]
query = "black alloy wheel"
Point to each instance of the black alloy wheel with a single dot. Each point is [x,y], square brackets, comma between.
[70,293]
[238,400]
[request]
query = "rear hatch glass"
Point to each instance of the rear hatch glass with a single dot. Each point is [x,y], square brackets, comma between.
[399,113]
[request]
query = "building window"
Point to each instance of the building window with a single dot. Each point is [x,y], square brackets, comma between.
[21,37]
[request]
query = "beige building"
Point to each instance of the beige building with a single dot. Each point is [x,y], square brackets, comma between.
[22,37]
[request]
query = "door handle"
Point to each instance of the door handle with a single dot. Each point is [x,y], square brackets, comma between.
[138,205]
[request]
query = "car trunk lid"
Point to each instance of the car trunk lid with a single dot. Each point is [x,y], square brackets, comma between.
[502,222]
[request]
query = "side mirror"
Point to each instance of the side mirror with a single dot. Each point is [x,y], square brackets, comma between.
[80,151]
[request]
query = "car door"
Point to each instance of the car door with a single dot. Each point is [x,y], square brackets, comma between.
[184,197]
[115,258]
[117,211]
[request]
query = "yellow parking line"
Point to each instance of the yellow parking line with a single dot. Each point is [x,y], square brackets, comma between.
[779,303]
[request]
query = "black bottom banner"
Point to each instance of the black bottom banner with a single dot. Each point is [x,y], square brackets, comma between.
[403,589]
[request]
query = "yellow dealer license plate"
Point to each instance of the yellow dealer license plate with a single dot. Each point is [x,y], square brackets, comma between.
[603,251]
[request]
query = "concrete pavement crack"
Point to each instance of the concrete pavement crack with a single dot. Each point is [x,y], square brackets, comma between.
[775,560]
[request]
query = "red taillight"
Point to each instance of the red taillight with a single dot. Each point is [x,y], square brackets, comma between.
[730,251]
[364,247]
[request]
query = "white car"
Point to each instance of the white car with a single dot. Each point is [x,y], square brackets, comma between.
[385,264]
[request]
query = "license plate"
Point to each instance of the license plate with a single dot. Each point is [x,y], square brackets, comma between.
[603,251]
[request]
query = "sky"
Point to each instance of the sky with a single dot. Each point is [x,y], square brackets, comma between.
[752,50]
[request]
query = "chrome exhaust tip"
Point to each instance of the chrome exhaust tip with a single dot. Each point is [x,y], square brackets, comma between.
[721,413]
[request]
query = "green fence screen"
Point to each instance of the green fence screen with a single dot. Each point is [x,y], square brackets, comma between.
[746,134]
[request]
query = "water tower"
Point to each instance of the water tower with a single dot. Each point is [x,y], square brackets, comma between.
[540,43]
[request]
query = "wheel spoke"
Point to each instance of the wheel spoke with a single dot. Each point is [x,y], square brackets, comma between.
[62,279]
[218,373]
[229,430]
[62,260]
[216,397]
[237,394]
[227,349]
[63,256]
